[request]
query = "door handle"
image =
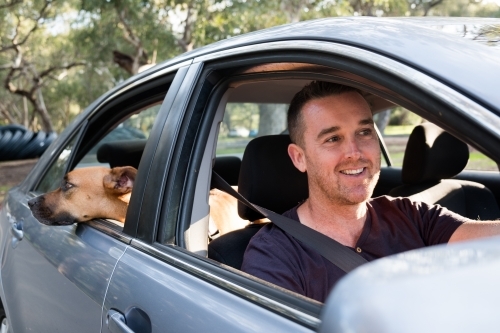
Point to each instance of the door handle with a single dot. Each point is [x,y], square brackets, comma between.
[17,230]
[134,320]
[116,322]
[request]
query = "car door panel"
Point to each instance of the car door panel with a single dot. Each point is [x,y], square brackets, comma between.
[176,301]
[52,269]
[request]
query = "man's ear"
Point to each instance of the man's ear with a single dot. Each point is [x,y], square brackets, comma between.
[296,153]
[120,179]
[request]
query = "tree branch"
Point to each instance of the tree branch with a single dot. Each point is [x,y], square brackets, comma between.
[129,35]
[11,4]
[14,41]
[49,70]
[428,6]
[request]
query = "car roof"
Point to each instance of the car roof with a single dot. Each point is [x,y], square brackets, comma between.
[436,46]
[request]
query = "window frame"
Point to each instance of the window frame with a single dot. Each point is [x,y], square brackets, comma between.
[114,107]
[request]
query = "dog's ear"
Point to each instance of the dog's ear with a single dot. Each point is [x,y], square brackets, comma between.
[120,179]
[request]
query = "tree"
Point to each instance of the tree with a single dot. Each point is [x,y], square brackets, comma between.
[26,74]
[272,118]
[56,57]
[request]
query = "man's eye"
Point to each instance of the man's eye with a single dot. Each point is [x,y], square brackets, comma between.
[334,139]
[366,132]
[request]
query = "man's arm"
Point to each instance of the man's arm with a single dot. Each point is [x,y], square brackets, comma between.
[475,229]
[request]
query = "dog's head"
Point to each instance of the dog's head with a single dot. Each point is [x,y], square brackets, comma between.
[86,194]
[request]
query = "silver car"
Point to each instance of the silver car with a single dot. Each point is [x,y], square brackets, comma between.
[167,270]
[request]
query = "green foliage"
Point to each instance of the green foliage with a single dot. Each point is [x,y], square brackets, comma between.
[401,116]
[242,115]
[88,31]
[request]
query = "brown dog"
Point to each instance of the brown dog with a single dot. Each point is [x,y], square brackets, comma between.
[86,194]
[99,192]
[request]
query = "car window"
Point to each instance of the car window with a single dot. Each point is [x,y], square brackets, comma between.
[238,118]
[135,127]
[396,125]
[54,175]
[244,121]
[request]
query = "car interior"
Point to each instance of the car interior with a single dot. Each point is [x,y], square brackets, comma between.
[266,176]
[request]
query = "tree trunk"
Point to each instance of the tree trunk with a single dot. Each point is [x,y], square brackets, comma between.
[272,118]
[382,119]
[42,111]
[26,114]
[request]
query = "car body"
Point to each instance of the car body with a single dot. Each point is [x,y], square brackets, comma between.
[153,275]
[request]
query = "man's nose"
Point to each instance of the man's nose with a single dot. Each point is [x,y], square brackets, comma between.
[352,149]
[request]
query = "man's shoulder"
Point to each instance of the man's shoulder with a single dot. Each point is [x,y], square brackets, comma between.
[270,234]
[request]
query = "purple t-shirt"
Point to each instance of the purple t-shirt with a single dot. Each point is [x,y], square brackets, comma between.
[393,225]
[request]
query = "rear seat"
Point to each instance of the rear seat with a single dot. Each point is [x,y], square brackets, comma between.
[121,153]
[129,153]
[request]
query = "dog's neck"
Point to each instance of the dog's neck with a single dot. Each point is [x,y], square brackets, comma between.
[119,212]
[125,197]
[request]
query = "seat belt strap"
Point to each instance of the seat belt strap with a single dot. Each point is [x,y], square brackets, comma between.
[338,254]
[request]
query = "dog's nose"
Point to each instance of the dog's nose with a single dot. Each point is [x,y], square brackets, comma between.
[35,201]
[31,202]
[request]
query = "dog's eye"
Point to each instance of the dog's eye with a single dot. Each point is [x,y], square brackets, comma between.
[66,186]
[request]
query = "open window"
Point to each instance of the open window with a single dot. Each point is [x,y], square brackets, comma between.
[252,102]
[114,134]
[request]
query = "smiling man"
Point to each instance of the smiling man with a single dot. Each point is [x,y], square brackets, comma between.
[335,143]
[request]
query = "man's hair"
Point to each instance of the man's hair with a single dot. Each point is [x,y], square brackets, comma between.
[314,90]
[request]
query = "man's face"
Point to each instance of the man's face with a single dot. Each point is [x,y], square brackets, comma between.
[340,149]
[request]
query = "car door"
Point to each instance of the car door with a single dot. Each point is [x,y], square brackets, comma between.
[55,277]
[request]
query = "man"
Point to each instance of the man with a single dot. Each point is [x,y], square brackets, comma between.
[335,142]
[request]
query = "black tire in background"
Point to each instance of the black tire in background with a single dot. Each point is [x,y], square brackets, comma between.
[4,141]
[18,147]
[9,148]
[17,142]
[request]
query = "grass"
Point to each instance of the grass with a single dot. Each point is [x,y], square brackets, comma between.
[397,159]
[228,151]
[3,192]
[479,161]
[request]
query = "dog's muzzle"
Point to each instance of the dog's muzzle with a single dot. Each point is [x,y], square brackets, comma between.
[45,215]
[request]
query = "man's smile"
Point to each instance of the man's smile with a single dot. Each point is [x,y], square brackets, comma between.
[352,172]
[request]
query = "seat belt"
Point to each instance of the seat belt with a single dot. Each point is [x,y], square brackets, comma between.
[338,254]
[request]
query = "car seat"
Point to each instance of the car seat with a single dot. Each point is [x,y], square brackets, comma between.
[432,157]
[129,153]
[269,179]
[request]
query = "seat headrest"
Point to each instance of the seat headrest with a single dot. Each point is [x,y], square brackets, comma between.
[432,154]
[228,167]
[121,153]
[268,177]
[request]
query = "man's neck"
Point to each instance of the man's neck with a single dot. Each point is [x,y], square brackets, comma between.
[342,222]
